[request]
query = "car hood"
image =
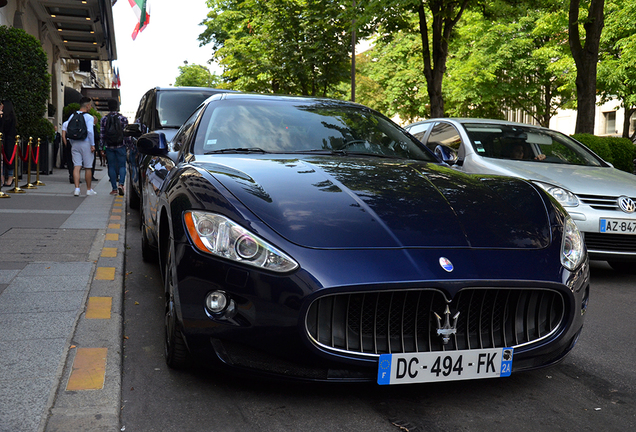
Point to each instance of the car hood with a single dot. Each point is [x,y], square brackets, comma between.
[347,202]
[581,180]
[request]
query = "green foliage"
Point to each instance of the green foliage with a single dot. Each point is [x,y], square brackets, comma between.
[280,46]
[196,76]
[617,70]
[522,64]
[620,152]
[23,77]
[44,130]
[391,80]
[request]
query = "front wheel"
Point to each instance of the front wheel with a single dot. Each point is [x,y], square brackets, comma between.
[623,266]
[175,348]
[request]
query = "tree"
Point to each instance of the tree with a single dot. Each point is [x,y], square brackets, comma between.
[435,23]
[196,76]
[512,64]
[586,55]
[23,77]
[617,71]
[280,46]
[390,78]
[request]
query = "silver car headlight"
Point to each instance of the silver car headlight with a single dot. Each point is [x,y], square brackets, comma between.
[572,246]
[218,235]
[563,196]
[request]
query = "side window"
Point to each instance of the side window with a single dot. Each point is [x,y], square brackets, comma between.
[140,113]
[181,139]
[445,134]
[419,130]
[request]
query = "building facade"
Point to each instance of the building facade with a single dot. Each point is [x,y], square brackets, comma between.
[78,38]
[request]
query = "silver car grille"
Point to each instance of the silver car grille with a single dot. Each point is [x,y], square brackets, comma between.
[373,323]
[600,202]
[602,242]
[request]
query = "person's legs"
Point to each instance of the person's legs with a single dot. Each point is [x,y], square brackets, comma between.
[121,165]
[76,175]
[111,157]
[88,175]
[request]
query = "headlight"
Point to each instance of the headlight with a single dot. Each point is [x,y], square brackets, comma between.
[572,247]
[218,235]
[563,196]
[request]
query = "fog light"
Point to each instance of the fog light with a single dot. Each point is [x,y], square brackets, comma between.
[216,302]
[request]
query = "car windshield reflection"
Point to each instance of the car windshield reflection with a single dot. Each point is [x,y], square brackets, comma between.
[304,127]
[527,144]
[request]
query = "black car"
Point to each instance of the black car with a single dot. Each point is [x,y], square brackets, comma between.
[160,109]
[315,239]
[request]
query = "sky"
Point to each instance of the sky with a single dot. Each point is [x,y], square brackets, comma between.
[153,59]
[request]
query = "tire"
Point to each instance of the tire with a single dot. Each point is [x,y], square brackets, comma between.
[148,253]
[623,266]
[175,348]
[133,196]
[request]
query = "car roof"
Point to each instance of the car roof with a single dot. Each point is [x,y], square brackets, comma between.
[192,89]
[463,120]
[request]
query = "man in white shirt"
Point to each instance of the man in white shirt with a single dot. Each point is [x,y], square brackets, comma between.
[83,151]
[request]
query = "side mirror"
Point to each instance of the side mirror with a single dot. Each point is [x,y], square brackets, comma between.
[446,154]
[153,144]
[133,130]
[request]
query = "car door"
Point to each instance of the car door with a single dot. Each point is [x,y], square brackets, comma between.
[159,167]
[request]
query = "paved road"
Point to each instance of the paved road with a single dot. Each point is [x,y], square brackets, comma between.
[593,389]
[61,278]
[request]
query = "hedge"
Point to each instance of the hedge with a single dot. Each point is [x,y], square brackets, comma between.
[620,152]
[24,80]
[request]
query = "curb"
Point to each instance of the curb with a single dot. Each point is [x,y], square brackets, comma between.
[88,394]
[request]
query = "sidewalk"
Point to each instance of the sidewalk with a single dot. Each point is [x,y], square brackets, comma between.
[61,289]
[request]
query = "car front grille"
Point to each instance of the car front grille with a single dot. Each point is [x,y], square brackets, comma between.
[601,202]
[373,323]
[602,242]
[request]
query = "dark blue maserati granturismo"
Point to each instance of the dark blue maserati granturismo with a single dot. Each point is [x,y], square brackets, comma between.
[314,239]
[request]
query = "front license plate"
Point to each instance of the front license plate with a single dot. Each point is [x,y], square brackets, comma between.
[444,366]
[618,226]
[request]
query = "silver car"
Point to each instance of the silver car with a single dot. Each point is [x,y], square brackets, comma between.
[600,198]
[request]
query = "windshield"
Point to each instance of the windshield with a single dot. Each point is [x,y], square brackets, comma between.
[529,144]
[297,125]
[174,107]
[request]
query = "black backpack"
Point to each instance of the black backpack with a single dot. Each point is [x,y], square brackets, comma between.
[76,128]
[113,133]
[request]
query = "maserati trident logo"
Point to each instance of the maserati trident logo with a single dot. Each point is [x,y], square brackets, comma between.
[446,264]
[446,330]
[626,204]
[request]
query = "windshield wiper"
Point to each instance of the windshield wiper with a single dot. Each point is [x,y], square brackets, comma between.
[237,150]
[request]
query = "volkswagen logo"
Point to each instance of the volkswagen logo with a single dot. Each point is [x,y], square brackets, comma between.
[626,204]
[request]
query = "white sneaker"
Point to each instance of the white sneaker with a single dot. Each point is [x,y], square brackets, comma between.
[77,192]
[91,192]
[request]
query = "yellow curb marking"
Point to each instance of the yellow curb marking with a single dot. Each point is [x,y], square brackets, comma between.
[105,273]
[112,237]
[89,369]
[116,210]
[118,204]
[115,217]
[114,226]
[99,307]
[109,252]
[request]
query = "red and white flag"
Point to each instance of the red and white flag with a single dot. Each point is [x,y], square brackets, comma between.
[142,11]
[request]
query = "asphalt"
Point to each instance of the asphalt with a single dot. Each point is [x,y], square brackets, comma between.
[61,297]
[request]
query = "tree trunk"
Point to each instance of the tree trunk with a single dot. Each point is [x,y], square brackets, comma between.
[627,116]
[586,58]
[445,17]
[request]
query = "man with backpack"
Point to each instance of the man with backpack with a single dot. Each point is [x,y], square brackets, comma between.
[78,129]
[112,140]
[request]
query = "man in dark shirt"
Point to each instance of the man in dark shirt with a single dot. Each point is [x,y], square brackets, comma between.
[115,151]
